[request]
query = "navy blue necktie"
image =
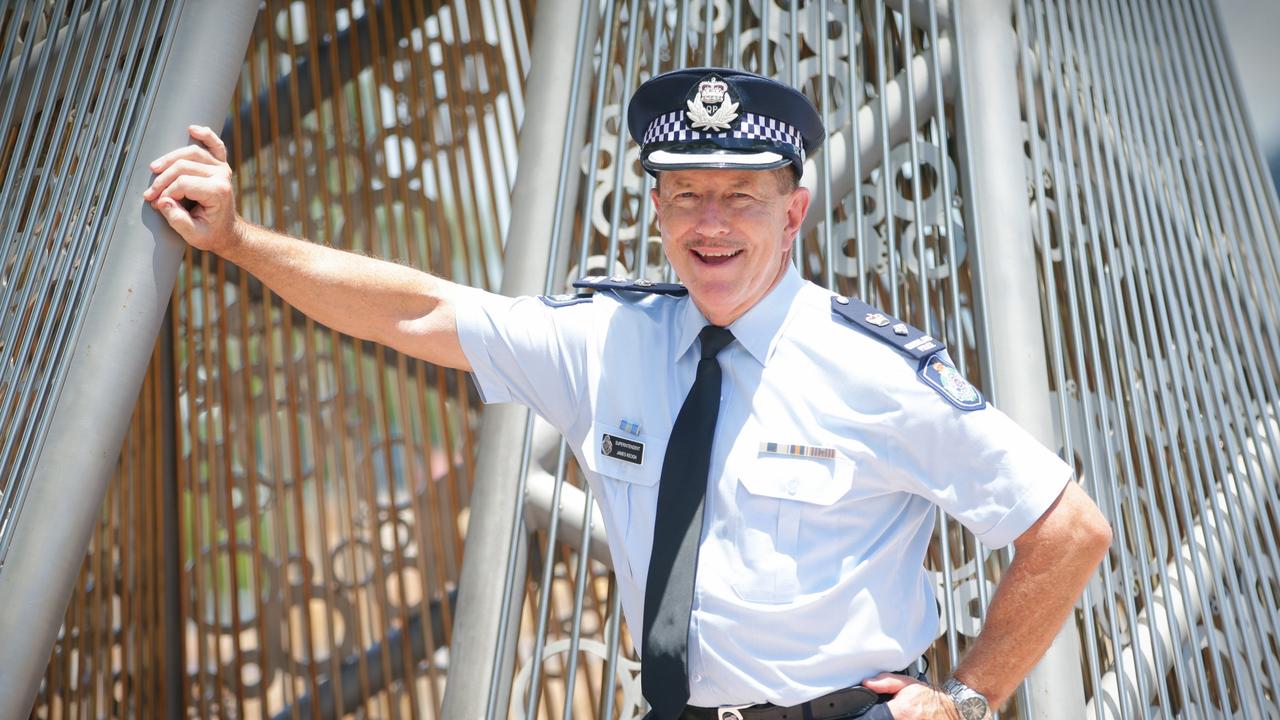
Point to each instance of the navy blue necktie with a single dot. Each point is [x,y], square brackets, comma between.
[677,529]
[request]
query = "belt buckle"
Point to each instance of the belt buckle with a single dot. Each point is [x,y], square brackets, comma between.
[731,712]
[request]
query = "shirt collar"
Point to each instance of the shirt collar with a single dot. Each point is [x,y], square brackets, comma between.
[758,328]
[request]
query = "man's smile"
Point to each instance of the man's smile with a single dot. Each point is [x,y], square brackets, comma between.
[716,256]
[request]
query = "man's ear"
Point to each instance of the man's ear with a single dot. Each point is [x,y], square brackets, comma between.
[797,207]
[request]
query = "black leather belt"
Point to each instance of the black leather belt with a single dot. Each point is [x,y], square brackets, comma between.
[845,703]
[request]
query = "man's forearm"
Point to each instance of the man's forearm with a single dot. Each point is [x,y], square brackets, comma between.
[361,296]
[1051,567]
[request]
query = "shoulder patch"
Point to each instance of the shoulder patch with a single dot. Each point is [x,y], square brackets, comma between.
[908,340]
[938,373]
[600,282]
[557,301]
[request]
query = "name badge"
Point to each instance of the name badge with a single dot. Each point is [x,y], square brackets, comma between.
[624,449]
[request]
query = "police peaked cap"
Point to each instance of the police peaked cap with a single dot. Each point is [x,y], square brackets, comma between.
[721,118]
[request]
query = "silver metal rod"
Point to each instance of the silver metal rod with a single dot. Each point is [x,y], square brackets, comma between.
[708,36]
[853,102]
[614,632]
[544,590]
[886,173]
[764,37]
[620,166]
[793,43]
[956,337]
[646,206]
[824,105]
[597,127]
[579,593]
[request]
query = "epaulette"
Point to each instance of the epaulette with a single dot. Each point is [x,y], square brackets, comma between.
[558,301]
[600,282]
[906,339]
[934,366]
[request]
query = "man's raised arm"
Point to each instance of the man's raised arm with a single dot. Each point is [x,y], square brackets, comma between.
[372,299]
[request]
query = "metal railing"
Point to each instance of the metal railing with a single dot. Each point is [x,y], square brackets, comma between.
[1024,180]
[91,92]
[1067,193]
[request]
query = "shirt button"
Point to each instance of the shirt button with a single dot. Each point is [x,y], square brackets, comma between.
[792,486]
[697,677]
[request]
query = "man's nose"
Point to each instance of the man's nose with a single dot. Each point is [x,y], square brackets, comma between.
[711,220]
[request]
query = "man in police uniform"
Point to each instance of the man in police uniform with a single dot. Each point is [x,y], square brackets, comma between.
[767,456]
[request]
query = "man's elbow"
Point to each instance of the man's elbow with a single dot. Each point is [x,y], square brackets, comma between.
[1074,522]
[1096,535]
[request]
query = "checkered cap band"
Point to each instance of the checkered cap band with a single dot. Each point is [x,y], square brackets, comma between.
[674,127]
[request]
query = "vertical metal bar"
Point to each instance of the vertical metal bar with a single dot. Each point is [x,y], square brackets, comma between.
[597,127]
[544,587]
[620,167]
[88,423]
[579,591]
[956,337]
[735,36]
[708,40]
[917,203]
[646,206]
[824,107]
[613,634]
[793,43]
[886,171]
[495,537]
[765,5]
[853,102]
[174,657]
[1000,225]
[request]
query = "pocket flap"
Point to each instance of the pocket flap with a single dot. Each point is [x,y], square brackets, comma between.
[818,481]
[632,458]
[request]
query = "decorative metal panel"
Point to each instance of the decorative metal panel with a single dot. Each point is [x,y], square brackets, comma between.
[60,151]
[321,480]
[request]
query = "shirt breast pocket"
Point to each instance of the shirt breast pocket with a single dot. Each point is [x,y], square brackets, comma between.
[629,467]
[789,517]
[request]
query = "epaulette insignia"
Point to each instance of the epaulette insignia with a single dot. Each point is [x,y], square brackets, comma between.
[557,301]
[600,282]
[900,335]
[935,368]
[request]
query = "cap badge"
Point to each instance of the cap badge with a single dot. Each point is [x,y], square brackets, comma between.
[712,108]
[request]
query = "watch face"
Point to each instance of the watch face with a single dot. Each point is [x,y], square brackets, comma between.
[972,708]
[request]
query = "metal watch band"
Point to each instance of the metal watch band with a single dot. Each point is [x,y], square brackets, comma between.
[971,704]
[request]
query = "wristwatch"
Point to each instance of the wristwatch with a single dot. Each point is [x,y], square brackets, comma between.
[971,704]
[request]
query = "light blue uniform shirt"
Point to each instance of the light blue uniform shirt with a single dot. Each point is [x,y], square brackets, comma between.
[810,574]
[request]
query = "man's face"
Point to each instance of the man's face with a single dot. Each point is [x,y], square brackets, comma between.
[728,235]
